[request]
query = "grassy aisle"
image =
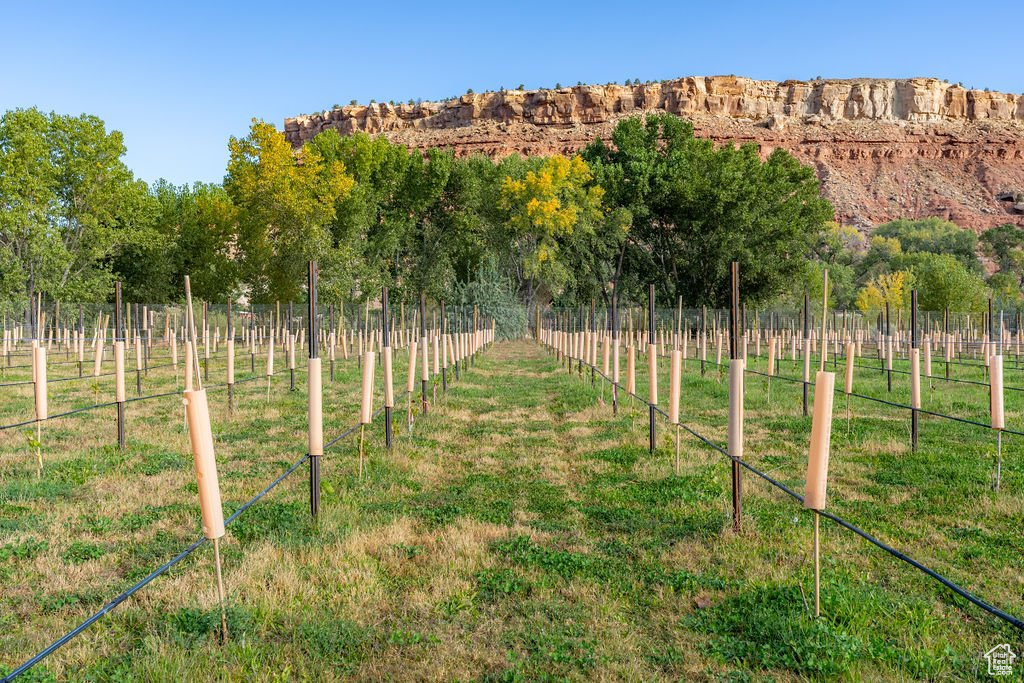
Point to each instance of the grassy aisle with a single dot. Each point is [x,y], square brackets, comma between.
[523,533]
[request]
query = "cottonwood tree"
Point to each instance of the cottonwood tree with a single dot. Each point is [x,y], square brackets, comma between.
[549,211]
[694,208]
[68,206]
[286,204]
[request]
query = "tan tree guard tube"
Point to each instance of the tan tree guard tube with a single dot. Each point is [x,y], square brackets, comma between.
[389,388]
[119,371]
[675,377]
[437,355]
[652,374]
[927,357]
[201,436]
[631,369]
[848,384]
[229,346]
[736,366]
[291,351]
[138,352]
[270,355]
[996,392]
[189,369]
[425,360]
[316,408]
[606,353]
[412,366]
[39,377]
[366,413]
[771,357]
[915,378]
[174,348]
[821,438]
[98,360]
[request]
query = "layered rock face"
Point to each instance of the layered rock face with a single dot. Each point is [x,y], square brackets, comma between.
[884,149]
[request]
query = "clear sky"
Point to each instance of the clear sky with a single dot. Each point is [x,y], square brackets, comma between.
[179,78]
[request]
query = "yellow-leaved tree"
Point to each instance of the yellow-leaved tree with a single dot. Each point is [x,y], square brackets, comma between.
[547,211]
[888,288]
[286,203]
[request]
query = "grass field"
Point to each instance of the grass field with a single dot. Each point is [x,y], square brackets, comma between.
[521,533]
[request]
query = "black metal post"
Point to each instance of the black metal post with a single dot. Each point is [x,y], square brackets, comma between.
[386,341]
[807,343]
[81,336]
[119,336]
[330,332]
[888,347]
[651,348]
[614,322]
[228,336]
[914,415]
[423,349]
[206,344]
[314,460]
[737,482]
[444,353]
[291,348]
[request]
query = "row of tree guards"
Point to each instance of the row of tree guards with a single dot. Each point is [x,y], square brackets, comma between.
[578,339]
[445,343]
[262,334]
[449,348]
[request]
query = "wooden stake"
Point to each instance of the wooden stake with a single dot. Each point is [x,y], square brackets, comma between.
[220,592]
[817,567]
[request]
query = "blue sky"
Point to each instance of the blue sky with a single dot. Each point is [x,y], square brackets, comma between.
[178,78]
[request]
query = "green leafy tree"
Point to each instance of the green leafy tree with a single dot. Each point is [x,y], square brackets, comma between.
[694,208]
[935,236]
[943,281]
[197,227]
[69,206]
[286,205]
[1005,246]
[553,205]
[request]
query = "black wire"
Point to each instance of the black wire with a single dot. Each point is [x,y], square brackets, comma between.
[991,609]
[63,640]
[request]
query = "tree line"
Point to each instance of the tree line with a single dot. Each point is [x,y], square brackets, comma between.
[653,204]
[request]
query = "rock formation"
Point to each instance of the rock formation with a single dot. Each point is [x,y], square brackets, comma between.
[884,149]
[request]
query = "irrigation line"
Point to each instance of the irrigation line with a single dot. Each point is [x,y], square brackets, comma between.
[214,387]
[70,635]
[970,597]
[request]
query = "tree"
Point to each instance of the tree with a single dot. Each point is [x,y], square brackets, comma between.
[943,281]
[286,203]
[552,205]
[935,236]
[889,288]
[695,207]
[1005,246]
[197,227]
[68,206]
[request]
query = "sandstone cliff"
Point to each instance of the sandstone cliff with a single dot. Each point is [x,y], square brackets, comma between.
[884,149]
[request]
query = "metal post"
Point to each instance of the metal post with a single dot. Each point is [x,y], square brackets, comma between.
[651,348]
[386,342]
[291,347]
[888,347]
[119,336]
[314,460]
[807,342]
[444,355]
[228,336]
[423,347]
[914,415]
[737,482]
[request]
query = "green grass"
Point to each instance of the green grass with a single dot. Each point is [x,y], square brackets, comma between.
[522,532]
